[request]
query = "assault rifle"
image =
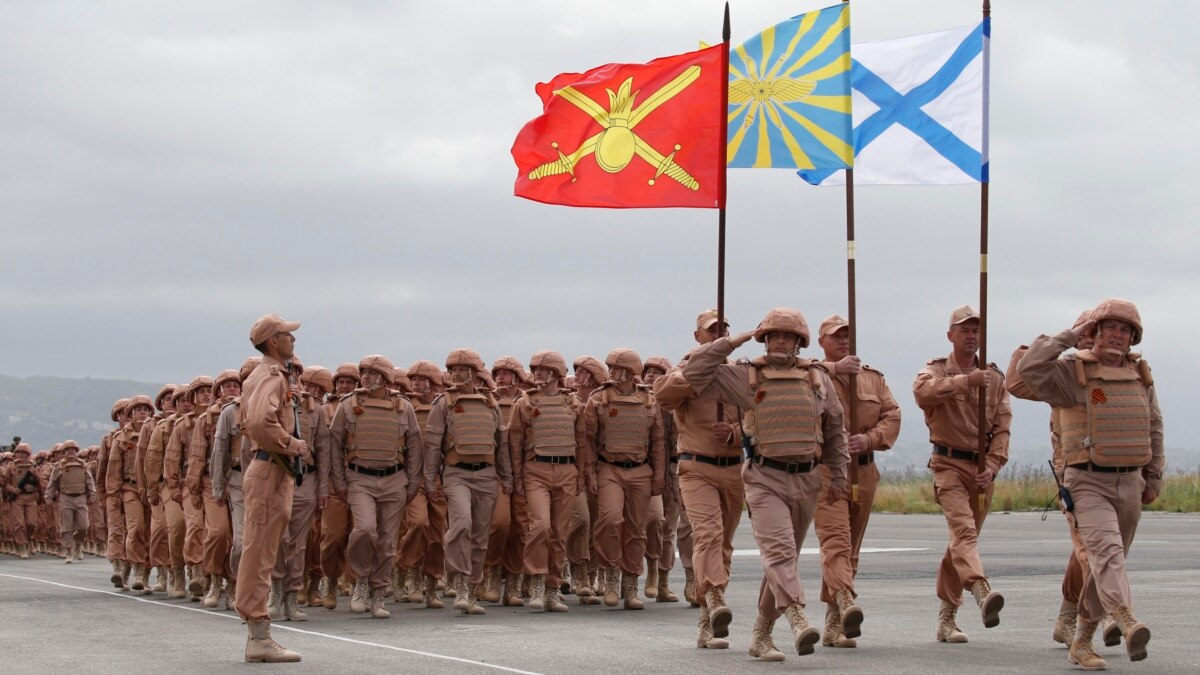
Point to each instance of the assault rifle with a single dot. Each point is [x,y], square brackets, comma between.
[12,447]
[297,463]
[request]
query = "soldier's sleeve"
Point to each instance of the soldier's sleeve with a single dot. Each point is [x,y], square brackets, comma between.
[89,486]
[835,454]
[154,461]
[997,455]
[172,459]
[883,435]
[52,484]
[1153,472]
[139,459]
[102,464]
[434,435]
[337,449]
[516,438]
[220,463]
[932,389]
[1049,378]
[414,462]
[503,461]
[587,452]
[672,390]
[322,452]
[658,450]
[264,410]
[196,448]
[113,472]
[708,373]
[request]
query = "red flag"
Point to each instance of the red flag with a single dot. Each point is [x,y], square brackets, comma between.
[627,135]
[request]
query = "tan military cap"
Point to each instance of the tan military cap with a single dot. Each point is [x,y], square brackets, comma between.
[707,318]
[963,314]
[832,325]
[269,325]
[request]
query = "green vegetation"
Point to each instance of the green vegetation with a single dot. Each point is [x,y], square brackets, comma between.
[1020,488]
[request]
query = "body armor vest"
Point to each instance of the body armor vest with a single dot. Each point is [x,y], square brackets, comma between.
[376,433]
[73,480]
[1112,427]
[784,422]
[553,423]
[25,477]
[474,438]
[627,423]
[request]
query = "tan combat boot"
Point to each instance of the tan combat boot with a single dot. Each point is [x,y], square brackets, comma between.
[1081,653]
[762,646]
[852,614]
[947,629]
[705,638]
[583,582]
[803,632]
[990,603]
[629,591]
[69,559]
[213,597]
[360,597]
[1064,628]
[231,595]
[23,554]
[329,592]
[115,579]
[664,593]
[260,648]
[195,581]
[178,591]
[491,583]
[718,612]
[160,580]
[401,584]
[834,637]
[275,601]
[459,583]
[313,590]
[377,609]
[537,593]
[291,607]
[417,592]
[554,601]
[139,572]
[612,581]
[473,606]
[689,587]
[512,591]
[126,568]
[1135,633]
[432,601]
[651,588]
[1111,631]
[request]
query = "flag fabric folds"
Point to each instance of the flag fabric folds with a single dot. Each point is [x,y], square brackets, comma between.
[789,94]
[920,110]
[627,135]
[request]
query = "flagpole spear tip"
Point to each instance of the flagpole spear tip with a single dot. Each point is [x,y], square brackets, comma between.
[725,29]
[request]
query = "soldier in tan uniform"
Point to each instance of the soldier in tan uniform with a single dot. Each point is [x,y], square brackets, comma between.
[624,465]
[159,492]
[948,390]
[48,517]
[841,525]
[422,553]
[269,420]
[159,549]
[590,373]
[114,518]
[122,480]
[710,486]
[505,549]
[230,458]
[465,445]
[1112,442]
[545,437]
[793,422]
[218,529]
[335,517]
[318,385]
[72,487]
[175,469]
[376,462]
[21,487]
[666,526]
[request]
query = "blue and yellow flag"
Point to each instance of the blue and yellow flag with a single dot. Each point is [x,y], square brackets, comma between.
[789,95]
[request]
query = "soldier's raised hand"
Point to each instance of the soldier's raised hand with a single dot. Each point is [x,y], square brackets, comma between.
[740,339]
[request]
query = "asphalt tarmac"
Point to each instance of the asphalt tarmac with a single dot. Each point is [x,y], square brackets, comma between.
[68,619]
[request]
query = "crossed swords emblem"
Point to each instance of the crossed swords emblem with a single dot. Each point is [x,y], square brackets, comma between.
[617,143]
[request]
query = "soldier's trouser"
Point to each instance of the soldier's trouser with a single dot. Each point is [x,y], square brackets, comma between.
[713,497]
[500,529]
[116,527]
[840,528]
[96,516]
[1077,566]
[237,519]
[781,509]
[676,527]
[176,527]
[72,519]
[160,551]
[24,516]
[623,502]
[955,491]
[136,528]
[268,492]
[312,552]
[1108,507]
[193,538]
[550,490]
[655,518]
[422,546]
[289,564]
[470,501]
[335,529]
[514,550]
[376,505]
[218,535]
[578,536]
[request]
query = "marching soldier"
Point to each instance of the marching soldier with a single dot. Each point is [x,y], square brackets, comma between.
[948,389]
[159,549]
[72,487]
[198,397]
[840,525]
[21,488]
[122,480]
[506,547]
[422,553]
[465,445]
[666,526]
[230,457]
[158,491]
[318,384]
[335,517]
[793,422]
[590,373]
[114,517]
[1112,443]
[218,529]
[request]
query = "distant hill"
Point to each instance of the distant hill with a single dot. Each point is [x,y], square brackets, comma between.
[47,410]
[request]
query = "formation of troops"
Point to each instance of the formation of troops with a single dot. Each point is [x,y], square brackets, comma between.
[279,487]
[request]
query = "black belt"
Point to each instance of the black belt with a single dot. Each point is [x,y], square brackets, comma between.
[866,458]
[477,466]
[954,454]
[1088,466]
[310,468]
[129,481]
[721,462]
[378,473]
[786,467]
[263,455]
[554,460]
[623,465]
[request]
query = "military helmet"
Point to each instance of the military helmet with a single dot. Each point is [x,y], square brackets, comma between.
[425,369]
[319,376]
[400,379]
[200,382]
[167,391]
[248,367]
[1120,310]
[66,445]
[510,363]
[23,447]
[119,407]
[592,365]
[783,320]
[623,357]
[140,399]
[465,357]
[660,362]
[229,375]
[377,363]
[349,370]
[548,358]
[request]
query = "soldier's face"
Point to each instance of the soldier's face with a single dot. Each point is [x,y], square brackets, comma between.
[185,407]
[372,379]
[583,378]
[314,390]
[836,344]
[420,384]
[461,374]
[505,378]
[230,388]
[1114,336]
[285,345]
[965,337]
[619,374]
[650,375]
[543,375]
[344,385]
[782,343]
[707,335]
[140,414]
[168,405]
[204,397]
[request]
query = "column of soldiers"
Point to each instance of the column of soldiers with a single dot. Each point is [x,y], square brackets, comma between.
[275,485]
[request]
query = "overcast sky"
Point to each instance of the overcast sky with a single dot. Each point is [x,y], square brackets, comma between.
[171,171]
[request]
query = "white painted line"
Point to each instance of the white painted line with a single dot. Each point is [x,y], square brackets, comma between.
[276,626]
[753,552]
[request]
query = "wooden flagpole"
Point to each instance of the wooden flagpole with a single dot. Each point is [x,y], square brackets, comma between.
[723,153]
[852,317]
[983,315]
